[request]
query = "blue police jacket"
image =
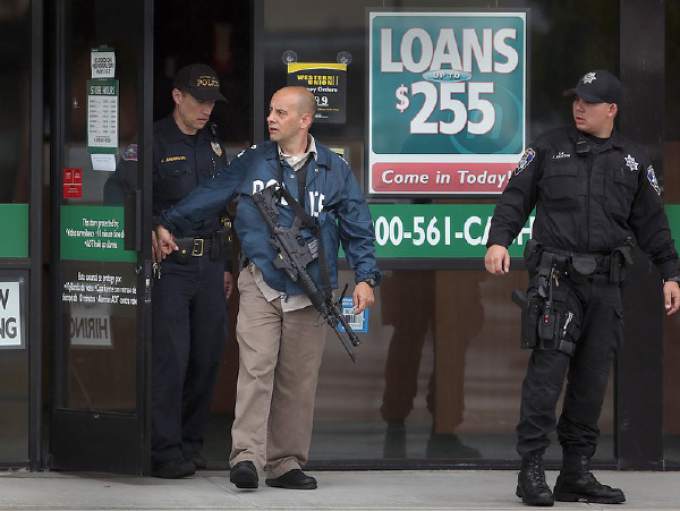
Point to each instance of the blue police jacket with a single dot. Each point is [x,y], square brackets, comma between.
[333,197]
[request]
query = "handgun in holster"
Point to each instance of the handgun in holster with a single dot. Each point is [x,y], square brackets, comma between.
[551,314]
[620,259]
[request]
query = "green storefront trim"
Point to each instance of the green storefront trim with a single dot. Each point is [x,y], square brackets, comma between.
[436,231]
[403,231]
[451,231]
[15,230]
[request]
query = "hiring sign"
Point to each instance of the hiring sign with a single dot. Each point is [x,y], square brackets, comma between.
[447,101]
[10,315]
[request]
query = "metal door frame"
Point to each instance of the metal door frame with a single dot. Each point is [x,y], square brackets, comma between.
[35,436]
[85,433]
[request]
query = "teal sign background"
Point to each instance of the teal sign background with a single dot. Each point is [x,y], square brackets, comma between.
[391,127]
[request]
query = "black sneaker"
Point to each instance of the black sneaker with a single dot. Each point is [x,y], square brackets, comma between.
[531,485]
[173,469]
[294,479]
[244,475]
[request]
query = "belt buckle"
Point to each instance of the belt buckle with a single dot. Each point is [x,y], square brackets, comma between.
[197,247]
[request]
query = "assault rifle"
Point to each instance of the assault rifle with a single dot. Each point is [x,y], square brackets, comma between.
[294,254]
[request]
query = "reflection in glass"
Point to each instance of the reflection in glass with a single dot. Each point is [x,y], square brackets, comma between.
[438,376]
[15,78]
[100,330]
[432,292]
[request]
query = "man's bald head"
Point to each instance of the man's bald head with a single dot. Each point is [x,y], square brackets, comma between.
[304,100]
[291,113]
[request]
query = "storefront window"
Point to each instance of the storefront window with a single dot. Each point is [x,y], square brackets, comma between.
[101,160]
[15,76]
[438,375]
[15,79]
[440,370]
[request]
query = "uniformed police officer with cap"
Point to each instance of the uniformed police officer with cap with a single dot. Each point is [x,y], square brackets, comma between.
[596,195]
[189,294]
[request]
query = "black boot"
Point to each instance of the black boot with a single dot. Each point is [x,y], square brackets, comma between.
[531,485]
[577,484]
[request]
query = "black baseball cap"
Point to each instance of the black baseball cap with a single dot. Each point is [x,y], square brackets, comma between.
[200,81]
[599,86]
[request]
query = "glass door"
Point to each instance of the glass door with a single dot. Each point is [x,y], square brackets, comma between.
[102,125]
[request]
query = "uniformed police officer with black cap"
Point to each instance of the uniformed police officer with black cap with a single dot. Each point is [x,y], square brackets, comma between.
[596,196]
[189,294]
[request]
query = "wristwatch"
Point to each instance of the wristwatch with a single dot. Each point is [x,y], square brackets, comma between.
[370,281]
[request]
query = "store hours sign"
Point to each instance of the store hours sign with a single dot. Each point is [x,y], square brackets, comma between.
[447,101]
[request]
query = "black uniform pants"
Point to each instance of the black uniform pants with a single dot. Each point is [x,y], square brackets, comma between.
[588,372]
[189,332]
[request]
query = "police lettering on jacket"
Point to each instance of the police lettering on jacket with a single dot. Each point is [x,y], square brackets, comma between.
[333,196]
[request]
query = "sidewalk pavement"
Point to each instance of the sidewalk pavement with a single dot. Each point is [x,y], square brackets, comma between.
[358,490]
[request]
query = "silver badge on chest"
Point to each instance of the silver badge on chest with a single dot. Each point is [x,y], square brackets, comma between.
[631,163]
[217,148]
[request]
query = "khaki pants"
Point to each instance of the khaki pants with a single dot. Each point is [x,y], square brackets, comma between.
[279,358]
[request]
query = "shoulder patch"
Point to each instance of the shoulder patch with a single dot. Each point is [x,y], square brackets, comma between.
[651,177]
[526,159]
[130,153]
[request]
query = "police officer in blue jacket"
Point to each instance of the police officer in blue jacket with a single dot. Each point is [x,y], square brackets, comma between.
[280,335]
[189,295]
[596,194]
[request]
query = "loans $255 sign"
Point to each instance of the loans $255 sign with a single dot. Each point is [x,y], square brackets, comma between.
[447,101]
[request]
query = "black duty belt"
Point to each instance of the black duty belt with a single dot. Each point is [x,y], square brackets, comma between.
[611,265]
[583,263]
[196,247]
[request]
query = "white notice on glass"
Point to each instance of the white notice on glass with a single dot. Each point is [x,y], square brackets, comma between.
[103,63]
[102,115]
[105,162]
